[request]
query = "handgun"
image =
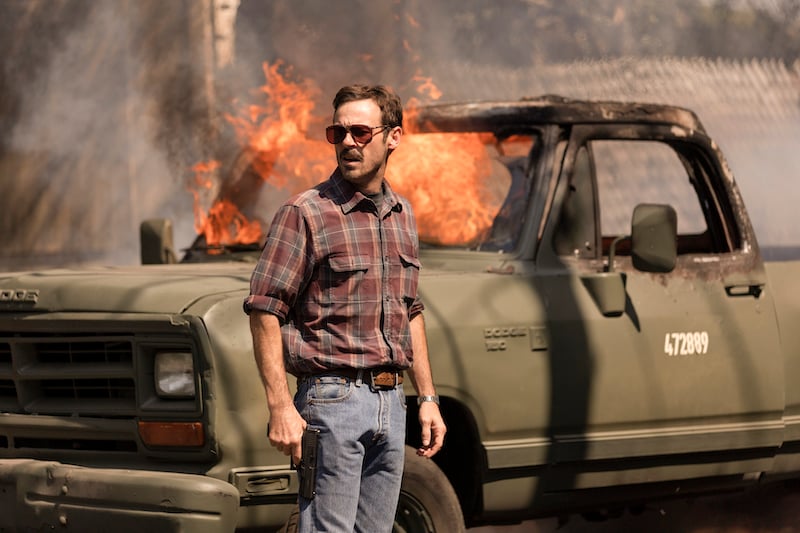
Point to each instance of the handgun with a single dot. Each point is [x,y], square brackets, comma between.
[307,469]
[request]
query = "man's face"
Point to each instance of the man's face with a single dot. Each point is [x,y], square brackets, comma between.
[363,164]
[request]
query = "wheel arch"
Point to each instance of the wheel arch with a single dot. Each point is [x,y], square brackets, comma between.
[462,458]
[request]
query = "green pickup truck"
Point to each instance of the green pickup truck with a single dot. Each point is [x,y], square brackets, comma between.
[607,336]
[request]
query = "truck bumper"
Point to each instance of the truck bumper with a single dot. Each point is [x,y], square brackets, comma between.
[45,495]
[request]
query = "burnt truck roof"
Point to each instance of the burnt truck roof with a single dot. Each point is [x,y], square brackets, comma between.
[548,109]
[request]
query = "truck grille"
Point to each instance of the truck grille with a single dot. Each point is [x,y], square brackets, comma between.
[7,389]
[85,352]
[78,376]
[73,389]
[88,388]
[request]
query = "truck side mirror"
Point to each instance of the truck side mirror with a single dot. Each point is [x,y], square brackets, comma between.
[155,240]
[654,237]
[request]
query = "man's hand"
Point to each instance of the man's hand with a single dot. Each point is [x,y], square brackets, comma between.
[285,432]
[433,429]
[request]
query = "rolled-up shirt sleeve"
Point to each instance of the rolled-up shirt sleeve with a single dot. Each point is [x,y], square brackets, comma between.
[416,308]
[279,275]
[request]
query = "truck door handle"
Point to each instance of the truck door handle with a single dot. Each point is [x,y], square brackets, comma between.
[261,483]
[268,485]
[753,290]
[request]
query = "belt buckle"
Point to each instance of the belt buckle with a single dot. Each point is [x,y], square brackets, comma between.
[384,380]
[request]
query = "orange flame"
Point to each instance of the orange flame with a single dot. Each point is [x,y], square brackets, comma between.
[226,225]
[270,130]
[443,175]
[274,135]
[427,86]
[223,224]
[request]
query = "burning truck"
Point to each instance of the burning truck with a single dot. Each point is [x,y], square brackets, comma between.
[602,327]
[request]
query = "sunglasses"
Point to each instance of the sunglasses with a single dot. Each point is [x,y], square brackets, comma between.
[361,134]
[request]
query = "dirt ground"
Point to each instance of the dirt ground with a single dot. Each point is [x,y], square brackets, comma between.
[766,510]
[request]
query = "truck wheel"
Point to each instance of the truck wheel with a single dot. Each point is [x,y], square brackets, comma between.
[428,503]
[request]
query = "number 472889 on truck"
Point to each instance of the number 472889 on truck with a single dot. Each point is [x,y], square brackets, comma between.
[609,336]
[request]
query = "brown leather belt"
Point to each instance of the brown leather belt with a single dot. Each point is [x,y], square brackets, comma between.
[378,378]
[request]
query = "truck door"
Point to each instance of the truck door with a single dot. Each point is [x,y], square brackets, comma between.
[685,380]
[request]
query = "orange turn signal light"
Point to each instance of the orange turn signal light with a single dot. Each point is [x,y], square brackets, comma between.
[172,433]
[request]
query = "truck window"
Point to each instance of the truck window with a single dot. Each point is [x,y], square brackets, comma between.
[513,158]
[471,193]
[635,172]
[609,179]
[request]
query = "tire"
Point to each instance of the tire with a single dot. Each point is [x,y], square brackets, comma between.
[428,503]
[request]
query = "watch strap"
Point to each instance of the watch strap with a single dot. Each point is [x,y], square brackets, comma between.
[423,399]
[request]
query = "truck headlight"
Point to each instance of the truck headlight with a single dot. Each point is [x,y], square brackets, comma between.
[174,375]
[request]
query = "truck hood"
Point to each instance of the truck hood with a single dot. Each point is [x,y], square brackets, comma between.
[141,289]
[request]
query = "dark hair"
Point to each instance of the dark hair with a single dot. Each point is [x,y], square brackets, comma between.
[385,97]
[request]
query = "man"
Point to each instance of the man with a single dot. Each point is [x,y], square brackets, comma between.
[333,301]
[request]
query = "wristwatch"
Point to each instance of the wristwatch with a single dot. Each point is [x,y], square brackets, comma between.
[423,399]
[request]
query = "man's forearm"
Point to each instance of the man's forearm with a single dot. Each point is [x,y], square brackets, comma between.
[285,425]
[420,372]
[268,349]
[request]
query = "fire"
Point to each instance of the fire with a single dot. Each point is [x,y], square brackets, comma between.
[274,138]
[226,225]
[426,85]
[443,175]
[223,224]
[282,123]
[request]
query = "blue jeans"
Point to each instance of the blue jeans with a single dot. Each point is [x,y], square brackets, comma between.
[361,454]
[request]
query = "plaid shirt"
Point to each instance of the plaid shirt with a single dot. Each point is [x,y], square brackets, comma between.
[341,277]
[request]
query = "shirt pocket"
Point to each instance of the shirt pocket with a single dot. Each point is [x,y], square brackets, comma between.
[409,274]
[345,277]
